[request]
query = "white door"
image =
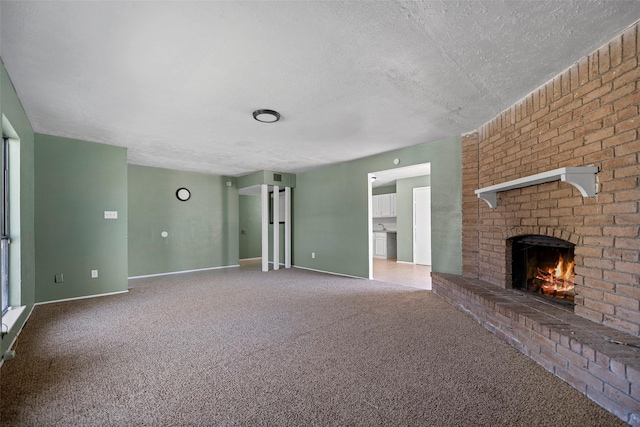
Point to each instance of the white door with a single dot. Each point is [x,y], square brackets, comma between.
[422,225]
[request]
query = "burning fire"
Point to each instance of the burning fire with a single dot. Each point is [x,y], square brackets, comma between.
[558,280]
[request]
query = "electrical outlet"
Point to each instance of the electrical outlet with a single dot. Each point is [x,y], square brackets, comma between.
[59,278]
[313,254]
[94,274]
[110,214]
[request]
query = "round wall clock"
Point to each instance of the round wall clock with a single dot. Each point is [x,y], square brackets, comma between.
[183,194]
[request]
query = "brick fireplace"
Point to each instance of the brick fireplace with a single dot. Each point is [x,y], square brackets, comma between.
[543,266]
[586,116]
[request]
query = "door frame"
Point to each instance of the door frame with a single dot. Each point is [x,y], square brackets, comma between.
[399,172]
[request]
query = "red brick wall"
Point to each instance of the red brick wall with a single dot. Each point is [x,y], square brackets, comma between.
[587,115]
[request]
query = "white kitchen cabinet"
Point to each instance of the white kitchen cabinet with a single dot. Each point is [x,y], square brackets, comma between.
[384,245]
[380,245]
[375,210]
[384,205]
[392,204]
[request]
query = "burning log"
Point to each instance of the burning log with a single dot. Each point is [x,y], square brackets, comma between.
[558,281]
[553,282]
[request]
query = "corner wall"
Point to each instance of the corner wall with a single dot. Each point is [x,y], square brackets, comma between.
[203,232]
[76,181]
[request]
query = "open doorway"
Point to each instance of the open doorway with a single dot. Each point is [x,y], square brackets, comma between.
[258,243]
[392,228]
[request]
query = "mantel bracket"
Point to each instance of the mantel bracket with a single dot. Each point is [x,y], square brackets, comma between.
[583,178]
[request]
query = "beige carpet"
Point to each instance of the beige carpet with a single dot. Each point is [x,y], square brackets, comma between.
[283,348]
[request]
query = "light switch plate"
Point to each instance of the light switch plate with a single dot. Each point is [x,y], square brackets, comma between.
[94,274]
[110,214]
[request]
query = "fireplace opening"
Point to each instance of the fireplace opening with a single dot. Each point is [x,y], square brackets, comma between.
[544,265]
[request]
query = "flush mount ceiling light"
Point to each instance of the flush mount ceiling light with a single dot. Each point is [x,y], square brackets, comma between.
[266,116]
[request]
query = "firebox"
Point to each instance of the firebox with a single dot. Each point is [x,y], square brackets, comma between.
[544,265]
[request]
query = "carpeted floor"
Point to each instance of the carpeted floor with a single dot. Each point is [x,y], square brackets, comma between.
[283,348]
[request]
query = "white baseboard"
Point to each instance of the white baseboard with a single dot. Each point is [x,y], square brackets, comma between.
[329,272]
[182,271]
[83,297]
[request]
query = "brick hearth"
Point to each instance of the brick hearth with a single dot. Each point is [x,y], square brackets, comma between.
[587,115]
[599,361]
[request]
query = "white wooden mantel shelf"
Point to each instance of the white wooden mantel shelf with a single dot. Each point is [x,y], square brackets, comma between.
[583,178]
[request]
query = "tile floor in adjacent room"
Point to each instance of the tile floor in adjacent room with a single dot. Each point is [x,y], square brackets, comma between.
[385,270]
[388,270]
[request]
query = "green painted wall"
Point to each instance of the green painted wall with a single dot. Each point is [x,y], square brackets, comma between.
[330,209]
[203,231]
[249,180]
[286,179]
[404,212]
[250,227]
[76,181]
[24,237]
[383,190]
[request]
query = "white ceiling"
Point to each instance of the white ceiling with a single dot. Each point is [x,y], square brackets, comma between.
[176,82]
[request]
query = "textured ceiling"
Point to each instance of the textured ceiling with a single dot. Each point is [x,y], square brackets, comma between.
[176,82]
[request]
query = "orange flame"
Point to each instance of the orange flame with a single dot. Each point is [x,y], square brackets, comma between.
[559,278]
